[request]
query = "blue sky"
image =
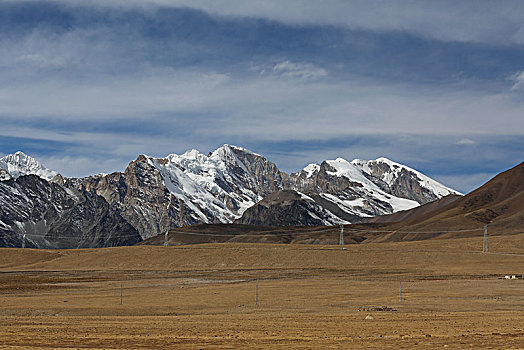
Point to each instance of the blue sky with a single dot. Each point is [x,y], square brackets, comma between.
[436,85]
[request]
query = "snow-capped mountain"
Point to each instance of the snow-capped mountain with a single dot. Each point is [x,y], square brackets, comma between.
[220,179]
[19,163]
[346,191]
[232,183]
[156,194]
[360,185]
[404,181]
[359,189]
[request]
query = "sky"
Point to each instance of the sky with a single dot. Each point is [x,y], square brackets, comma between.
[87,86]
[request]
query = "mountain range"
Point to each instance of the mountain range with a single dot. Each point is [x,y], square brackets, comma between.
[497,206]
[230,184]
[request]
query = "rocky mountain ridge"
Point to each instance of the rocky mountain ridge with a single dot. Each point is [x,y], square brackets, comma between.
[154,195]
[226,183]
[38,213]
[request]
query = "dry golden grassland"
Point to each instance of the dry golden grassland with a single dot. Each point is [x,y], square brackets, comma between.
[204,296]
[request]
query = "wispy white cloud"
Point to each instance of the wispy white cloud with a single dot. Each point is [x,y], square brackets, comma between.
[253,105]
[465,141]
[518,80]
[299,70]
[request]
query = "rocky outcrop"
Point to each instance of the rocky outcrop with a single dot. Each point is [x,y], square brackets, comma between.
[141,197]
[38,213]
[286,208]
[339,185]
[4,175]
[265,176]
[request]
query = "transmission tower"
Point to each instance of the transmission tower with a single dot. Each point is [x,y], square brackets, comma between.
[181,205]
[166,238]
[166,242]
[485,242]
[341,238]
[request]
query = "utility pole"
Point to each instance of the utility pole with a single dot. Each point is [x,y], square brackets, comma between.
[166,242]
[400,290]
[23,241]
[485,243]
[256,293]
[181,213]
[341,239]
[120,293]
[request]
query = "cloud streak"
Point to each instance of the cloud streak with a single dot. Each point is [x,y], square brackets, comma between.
[249,105]
[481,21]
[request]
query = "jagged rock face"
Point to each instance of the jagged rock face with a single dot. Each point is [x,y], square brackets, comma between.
[350,192]
[333,192]
[267,178]
[221,186]
[406,184]
[324,181]
[141,197]
[215,188]
[286,208]
[53,216]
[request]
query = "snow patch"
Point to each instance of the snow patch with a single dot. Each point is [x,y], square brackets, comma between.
[311,169]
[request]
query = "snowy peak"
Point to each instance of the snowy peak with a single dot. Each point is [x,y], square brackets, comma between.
[238,149]
[347,191]
[361,188]
[227,155]
[190,154]
[19,164]
[344,168]
[223,182]
[401,179]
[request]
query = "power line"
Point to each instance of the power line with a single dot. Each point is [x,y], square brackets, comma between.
[400,231]
[265,233]
[52,237]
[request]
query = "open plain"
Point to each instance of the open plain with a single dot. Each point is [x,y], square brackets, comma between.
[438,293]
